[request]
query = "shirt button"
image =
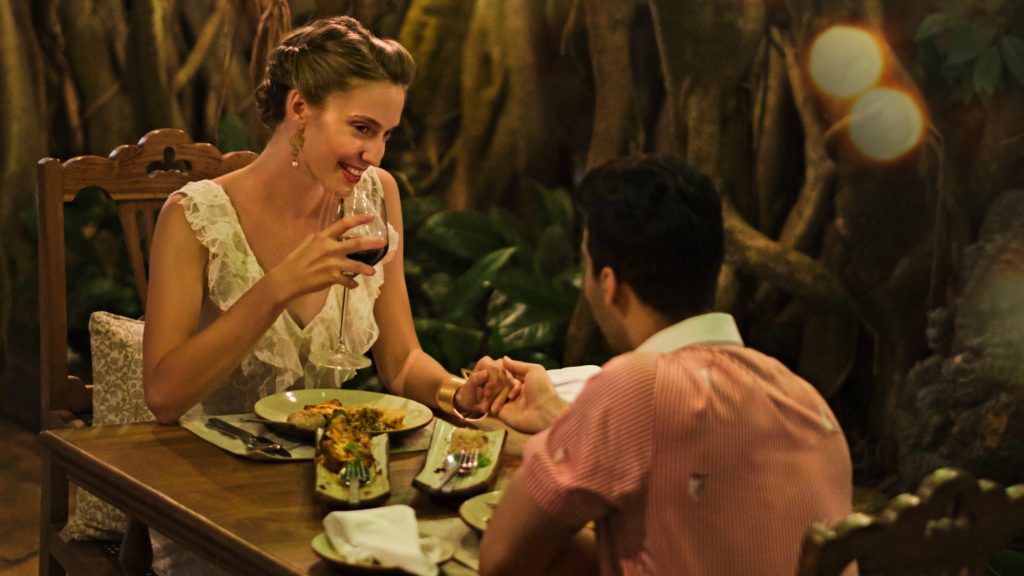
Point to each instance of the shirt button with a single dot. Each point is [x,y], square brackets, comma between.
[559,455]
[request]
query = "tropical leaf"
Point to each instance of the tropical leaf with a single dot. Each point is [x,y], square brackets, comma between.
[507,226]
[987,71]
[525,312]
[471,288]
[465,235]
[933,24]
[437,286]
[556,207]
[555,251]
[968,39]
[1013,54]
[417,209]
[526,337]
[451,344]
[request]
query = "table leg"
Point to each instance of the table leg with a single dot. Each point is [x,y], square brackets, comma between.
[53,512]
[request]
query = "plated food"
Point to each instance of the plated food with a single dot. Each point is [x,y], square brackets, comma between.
[467,439]
[279,407]
[339,445]
[448,439]
[343,443]
[360,416]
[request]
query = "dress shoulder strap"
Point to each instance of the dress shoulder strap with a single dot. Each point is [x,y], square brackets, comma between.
[232,268]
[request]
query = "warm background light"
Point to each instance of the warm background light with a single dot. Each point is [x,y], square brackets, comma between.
[845,61]
[885,124]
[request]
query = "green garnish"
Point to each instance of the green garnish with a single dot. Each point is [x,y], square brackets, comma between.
[483,462]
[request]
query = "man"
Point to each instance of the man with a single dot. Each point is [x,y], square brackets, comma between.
[691,454]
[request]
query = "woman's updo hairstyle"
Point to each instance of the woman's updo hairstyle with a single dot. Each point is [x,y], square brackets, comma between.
[328,56]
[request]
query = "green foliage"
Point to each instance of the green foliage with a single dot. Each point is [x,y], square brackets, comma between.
[99,276]
[232,135]
[966,45]
[481,283]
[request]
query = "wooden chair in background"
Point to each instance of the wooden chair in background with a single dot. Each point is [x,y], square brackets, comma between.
[951,526]
[138,178]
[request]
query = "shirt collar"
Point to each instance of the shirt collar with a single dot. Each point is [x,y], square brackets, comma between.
[711,328]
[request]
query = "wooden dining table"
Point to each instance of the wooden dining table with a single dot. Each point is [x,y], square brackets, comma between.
[246,516]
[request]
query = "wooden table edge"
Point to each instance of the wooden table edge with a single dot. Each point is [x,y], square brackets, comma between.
[216,545]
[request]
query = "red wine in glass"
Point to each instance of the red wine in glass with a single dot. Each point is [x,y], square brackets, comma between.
[369,257]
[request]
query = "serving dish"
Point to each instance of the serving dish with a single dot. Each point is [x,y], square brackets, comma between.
[476,511]
[430,476]
[330,488]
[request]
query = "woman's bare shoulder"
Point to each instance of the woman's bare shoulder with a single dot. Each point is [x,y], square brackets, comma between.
[387,180]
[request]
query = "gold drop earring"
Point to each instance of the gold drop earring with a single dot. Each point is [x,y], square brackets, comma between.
[296,141]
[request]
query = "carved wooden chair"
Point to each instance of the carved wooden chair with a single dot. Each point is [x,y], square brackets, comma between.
[951,526]
[138,178]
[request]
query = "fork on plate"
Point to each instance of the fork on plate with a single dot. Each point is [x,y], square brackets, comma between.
[469,462]
[354,475]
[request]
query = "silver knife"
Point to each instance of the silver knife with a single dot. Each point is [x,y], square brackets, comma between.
[252,442]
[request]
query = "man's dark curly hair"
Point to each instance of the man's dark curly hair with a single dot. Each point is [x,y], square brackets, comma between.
[657,222]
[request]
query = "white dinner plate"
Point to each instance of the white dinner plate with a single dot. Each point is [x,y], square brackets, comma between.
[477,510]
[437,550]
[277,407]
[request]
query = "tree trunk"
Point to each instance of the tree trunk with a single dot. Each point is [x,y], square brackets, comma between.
[505,143]
[23,143]
[149,62]
[435,32]
[103,98]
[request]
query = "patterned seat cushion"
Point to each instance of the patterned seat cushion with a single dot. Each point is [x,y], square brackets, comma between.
[117,399]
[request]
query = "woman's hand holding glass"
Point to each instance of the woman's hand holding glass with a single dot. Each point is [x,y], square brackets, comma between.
[321,261]
[370,234]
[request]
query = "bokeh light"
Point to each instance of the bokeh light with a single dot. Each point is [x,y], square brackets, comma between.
[886,124]
[845,61]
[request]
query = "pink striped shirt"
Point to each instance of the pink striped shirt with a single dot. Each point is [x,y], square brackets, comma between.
[705,460]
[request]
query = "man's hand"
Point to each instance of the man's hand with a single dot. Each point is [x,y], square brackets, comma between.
[487,387]
[536,405]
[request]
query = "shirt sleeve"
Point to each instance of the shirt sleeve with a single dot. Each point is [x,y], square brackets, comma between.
[597,454]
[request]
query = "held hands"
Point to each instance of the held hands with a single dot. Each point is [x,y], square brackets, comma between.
[537,405]
[519,393]
[321,260]
[485,387]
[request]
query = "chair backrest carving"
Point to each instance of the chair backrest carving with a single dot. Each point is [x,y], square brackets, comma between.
[138,178]
[950,526]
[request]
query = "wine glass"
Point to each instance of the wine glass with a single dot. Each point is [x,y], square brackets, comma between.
[367,197]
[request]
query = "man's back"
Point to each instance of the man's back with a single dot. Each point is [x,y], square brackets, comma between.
[704,460]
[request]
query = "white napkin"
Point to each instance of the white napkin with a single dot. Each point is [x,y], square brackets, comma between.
[388,534]
[569,381]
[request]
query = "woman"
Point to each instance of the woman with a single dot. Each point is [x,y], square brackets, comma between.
[244,283]
[244,279]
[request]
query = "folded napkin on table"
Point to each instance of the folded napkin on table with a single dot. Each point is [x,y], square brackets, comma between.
[569,381]
[387,534]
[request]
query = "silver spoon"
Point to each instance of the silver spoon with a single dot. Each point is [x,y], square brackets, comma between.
[450,468]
